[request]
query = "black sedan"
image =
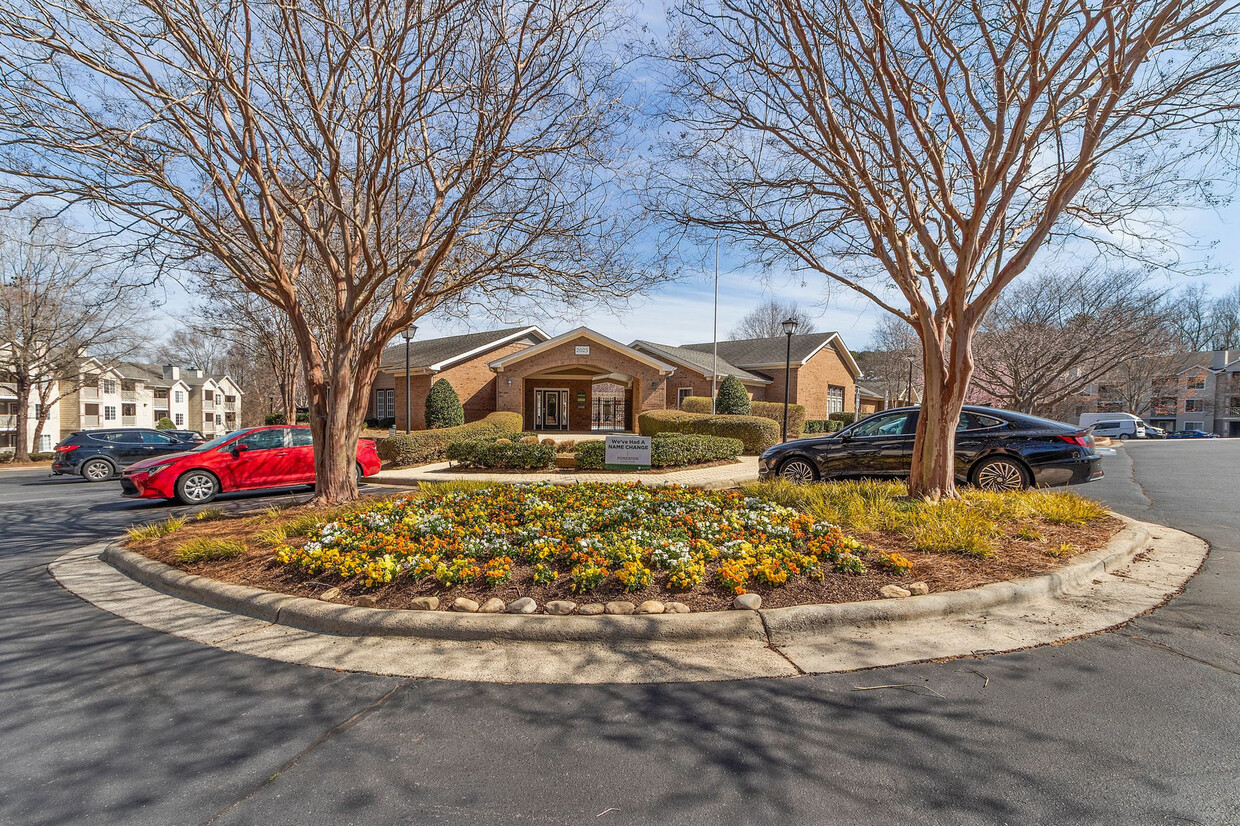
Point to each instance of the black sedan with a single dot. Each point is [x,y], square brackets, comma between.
[995,449]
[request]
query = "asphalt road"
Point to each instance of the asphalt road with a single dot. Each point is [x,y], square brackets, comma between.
[103,721]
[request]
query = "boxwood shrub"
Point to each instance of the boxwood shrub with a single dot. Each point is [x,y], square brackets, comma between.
[767,410]
[424,446]
[843,418]
[492,453]
[668,450]
[755,432]
[822,426]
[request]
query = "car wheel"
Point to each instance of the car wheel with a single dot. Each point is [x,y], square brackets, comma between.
[97,470]
[1000,474]
[358,473]
[197,487]
[798,470]
[1123,437]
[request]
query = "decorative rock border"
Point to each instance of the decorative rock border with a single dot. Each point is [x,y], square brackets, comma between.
[619,621]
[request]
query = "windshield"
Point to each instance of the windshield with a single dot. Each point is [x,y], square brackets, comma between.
[217,441]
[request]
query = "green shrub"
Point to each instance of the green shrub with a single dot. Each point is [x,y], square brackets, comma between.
[816,426]
[775,412]
[274,418]
[733,398]
[206,549]
[42,457]
[844,419]
[669,450]
[165,424]
[490,453]
[696,404]
[424,446]
[756,432]
[443,406]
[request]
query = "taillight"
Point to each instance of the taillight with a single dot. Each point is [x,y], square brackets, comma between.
[66,448]
[1080,440]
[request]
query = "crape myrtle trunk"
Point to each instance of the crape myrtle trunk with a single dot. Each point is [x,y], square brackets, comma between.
[948,368]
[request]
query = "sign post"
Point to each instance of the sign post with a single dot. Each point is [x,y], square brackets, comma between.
[627,453]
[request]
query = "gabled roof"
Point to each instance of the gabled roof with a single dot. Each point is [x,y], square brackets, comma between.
[435,354]
[758,353]
[583,332]
[699,361]
[140,372]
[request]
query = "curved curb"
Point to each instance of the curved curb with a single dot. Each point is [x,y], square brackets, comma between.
[774,626]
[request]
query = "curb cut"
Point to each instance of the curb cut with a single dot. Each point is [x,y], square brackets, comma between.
[771,626]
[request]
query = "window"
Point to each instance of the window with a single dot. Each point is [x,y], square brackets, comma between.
[264,439]
[1195,406]
[302,437]
[385,404]
[180,420]
[682,393]
[1233,406]
[109,413]
[1197,383]
[179,397]
[206,395]
[219,419]
[161,392]
[1194,425]
[974,421]
[150,437]
[230,399]
[91,409]
[835,399]
[45,443]
[107,385]
[129,409]
[892,424]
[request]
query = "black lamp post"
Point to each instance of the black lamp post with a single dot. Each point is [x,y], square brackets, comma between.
[909,395]
[790,327]
[408,334]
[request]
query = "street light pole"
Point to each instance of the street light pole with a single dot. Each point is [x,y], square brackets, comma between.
[790,327]
[408,334]
[909,396]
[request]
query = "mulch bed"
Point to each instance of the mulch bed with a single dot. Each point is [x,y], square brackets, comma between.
[1014,558]
[565,471]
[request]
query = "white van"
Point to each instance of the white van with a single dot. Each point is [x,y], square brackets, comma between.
[1115,425]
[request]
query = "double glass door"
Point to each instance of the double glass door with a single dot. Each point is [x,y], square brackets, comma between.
[551,410]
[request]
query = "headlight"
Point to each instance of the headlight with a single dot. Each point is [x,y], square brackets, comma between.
[151,471]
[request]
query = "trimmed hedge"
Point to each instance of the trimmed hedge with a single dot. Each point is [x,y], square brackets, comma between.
[823,426]
[424,446]
[492,453]
[5,458]
[755,432]
[844,418]
[381,424]
[767,410]
[668,450]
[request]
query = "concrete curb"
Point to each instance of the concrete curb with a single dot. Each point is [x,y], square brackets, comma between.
[774,626]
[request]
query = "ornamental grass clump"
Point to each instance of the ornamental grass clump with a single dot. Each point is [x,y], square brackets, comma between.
[208,549]
[952,526]
[154,530]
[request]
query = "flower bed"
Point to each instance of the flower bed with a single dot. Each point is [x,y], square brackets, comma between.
[586,533]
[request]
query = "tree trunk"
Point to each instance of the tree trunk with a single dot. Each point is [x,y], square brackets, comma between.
[22,385]
[337,425]
[948,368]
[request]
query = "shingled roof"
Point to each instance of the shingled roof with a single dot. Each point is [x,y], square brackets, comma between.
[438,353]
[703,362]
[751,353]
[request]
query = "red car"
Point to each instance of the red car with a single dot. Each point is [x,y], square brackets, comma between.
[258,457]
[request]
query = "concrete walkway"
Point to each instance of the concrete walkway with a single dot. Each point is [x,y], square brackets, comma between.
[711,478]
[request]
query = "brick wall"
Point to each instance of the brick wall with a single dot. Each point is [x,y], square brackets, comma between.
[472,380]
[809,383]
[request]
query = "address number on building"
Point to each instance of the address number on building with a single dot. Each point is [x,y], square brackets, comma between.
[627,453]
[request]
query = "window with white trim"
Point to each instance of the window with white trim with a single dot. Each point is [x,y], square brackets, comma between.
[107,385]
[109,413]
[385,404]
[179,397]
[180,420]
[682,393]
[835,399]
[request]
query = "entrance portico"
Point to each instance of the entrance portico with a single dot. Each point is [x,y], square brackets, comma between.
[580,381]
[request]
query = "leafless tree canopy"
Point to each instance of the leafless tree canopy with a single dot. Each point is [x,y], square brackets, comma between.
[1200,321]
[922,152]
[1053,335]
[61,300]
[354,164]
[766,320]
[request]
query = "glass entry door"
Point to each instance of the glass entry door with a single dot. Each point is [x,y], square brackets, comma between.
[551,410]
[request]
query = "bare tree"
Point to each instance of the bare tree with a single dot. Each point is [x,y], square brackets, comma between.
[195,345]
[1192,322]
[923,152]
[355,165]
[1050,337]
[893,354]
[766,320]
[60,301]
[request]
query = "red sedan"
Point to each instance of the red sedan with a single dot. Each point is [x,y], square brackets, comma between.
[258,457]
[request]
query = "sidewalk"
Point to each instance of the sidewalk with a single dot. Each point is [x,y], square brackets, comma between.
[711,478]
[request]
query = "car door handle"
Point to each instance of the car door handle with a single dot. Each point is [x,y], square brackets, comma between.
[282,453]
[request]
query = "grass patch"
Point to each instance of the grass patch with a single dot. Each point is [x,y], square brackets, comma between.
[953,526]
[208,513]
[206,549]
[1063,507]
[154,530]
[301,525]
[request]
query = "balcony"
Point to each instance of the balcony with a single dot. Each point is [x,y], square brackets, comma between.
[8,421]
[129,421]
[129,395]
[230,407]
[89,392]
[90,421]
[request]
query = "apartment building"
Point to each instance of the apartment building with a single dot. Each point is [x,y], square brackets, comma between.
[1199,391]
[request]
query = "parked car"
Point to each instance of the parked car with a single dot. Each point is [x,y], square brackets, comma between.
[248,459]
[192,436]
[96,455]
[995,449]
[1153,432]
[1192,434]
[1115,425]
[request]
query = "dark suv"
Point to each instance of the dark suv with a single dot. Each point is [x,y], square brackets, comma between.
[96,455]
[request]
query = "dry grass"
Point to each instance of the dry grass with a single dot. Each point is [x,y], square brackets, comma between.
[208,549]
[154,530]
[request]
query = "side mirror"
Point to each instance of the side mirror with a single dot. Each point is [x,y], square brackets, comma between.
[238,449]
[845,436]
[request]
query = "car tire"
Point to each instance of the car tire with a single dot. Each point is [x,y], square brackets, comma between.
[1001,473]
[1123,437]
[197,487]
[798,469]
[97,470]
[358,473]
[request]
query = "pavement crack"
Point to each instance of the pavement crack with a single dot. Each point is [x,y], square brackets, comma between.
[323,738]
[770,643]
[1171,649]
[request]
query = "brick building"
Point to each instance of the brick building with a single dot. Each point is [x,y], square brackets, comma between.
[583,380]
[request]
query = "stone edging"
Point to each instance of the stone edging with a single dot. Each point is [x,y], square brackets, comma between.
[773,625]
